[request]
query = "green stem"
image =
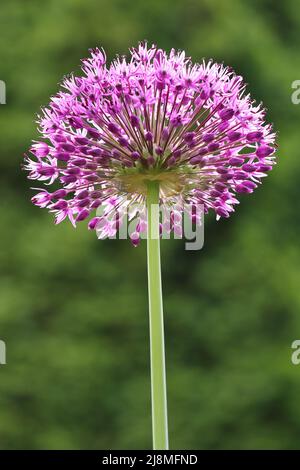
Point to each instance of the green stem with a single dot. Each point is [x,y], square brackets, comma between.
[157,344]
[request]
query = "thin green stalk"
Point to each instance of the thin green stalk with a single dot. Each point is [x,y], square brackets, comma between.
[157,343]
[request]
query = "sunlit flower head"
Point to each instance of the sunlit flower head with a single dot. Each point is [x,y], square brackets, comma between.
[154,116]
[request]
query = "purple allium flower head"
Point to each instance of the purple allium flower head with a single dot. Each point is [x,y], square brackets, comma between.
[156,116]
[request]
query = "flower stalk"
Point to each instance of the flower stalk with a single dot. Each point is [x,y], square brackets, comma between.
[157,343]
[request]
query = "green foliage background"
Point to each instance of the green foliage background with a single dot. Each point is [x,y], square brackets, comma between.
[73,310]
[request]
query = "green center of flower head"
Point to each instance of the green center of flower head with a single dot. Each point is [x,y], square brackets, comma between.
[172,182]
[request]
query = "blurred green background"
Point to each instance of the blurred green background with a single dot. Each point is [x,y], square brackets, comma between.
[73,310]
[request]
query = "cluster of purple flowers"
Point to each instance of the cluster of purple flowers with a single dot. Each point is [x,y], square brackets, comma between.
[156,116]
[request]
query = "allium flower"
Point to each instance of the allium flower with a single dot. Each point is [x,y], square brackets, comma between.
[154,130]
[157,117]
